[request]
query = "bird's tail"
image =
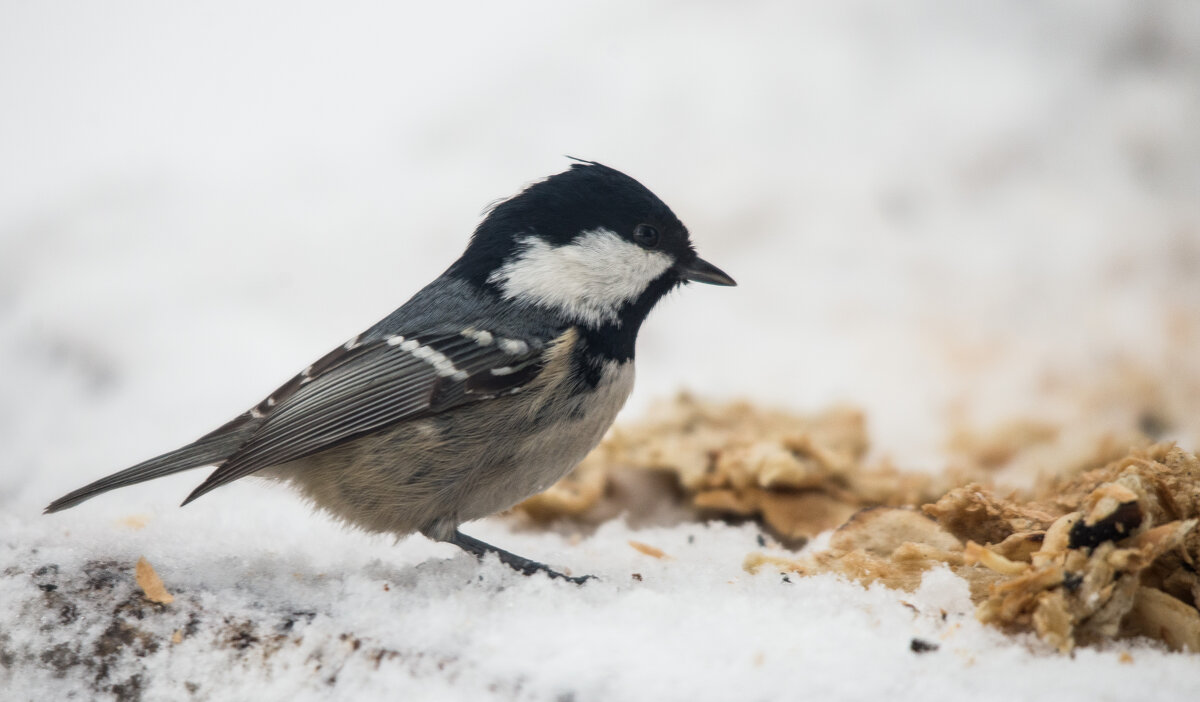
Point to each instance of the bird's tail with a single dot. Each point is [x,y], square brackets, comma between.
[211,449]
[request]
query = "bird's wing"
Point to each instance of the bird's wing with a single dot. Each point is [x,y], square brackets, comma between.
[361,387]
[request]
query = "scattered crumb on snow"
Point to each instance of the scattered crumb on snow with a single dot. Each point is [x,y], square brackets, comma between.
[277,622]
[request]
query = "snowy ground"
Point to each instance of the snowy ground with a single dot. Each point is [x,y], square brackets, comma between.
[944,212]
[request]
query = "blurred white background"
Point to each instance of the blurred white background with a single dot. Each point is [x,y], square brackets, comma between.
[949,213]
[939,211]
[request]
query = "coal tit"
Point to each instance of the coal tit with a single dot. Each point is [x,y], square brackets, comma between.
[486,387]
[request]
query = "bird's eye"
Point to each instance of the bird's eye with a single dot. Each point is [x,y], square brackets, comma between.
[645,235]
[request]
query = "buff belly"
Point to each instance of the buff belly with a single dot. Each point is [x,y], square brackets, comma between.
[432,474]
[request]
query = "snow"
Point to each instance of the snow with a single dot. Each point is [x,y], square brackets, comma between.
[939,211]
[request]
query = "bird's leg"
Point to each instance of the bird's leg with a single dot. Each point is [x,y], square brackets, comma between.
[521,565]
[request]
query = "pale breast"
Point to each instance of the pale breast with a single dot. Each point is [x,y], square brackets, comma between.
[553,450]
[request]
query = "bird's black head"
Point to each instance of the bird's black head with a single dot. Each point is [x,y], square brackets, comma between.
[591,244]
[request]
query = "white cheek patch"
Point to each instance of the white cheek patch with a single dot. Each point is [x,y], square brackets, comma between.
[589,279]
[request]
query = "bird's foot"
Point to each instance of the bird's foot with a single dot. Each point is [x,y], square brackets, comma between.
[520,564]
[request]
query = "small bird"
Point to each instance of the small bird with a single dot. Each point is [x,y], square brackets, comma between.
[490,384]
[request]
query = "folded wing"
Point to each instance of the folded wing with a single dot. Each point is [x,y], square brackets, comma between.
[359,388]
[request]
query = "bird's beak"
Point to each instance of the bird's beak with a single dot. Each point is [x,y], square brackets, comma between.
[700,271]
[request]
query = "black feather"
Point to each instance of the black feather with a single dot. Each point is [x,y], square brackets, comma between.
[586,197]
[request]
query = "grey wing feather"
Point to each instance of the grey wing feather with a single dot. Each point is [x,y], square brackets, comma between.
[368,388]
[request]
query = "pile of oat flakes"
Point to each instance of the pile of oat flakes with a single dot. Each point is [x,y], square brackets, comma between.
[1104,546]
